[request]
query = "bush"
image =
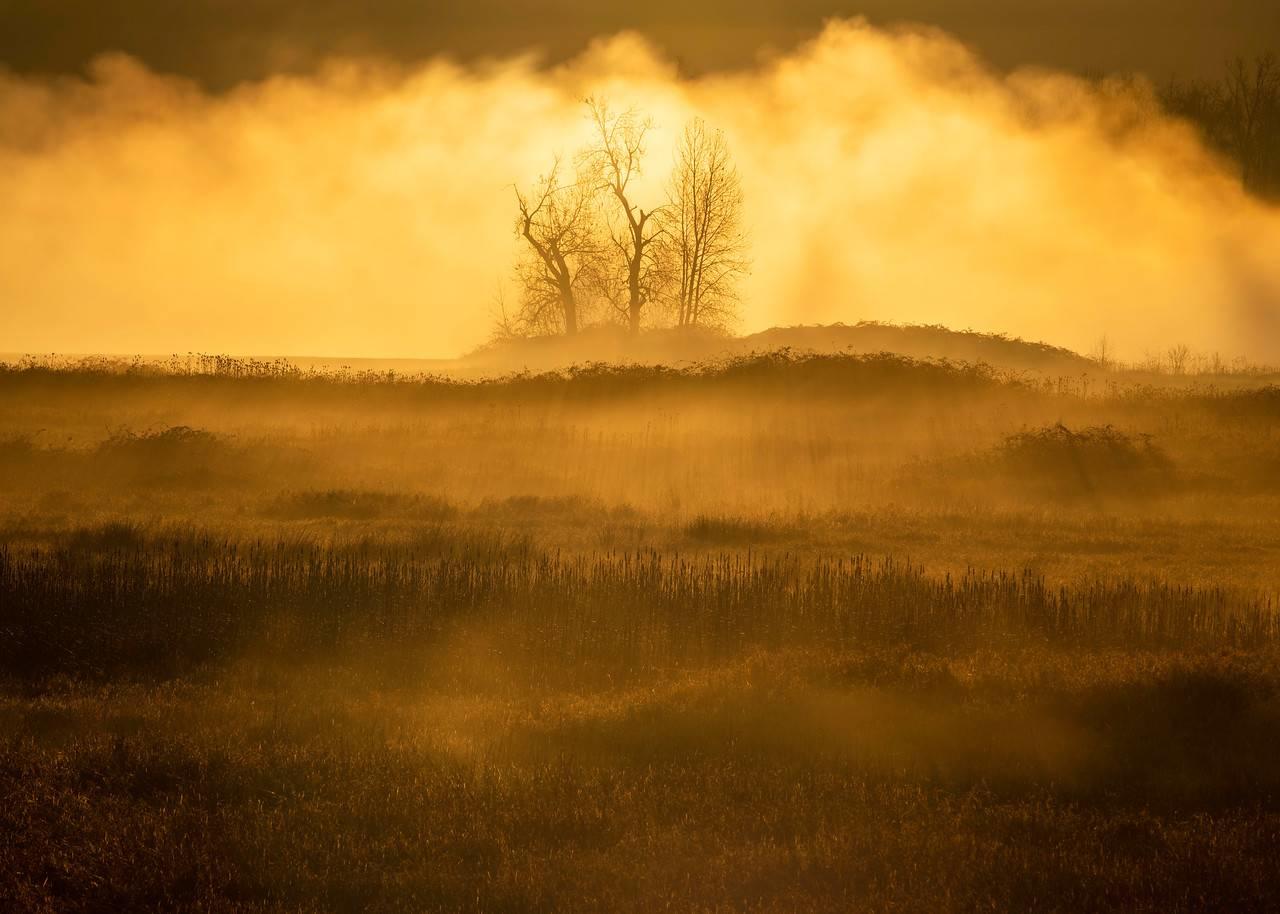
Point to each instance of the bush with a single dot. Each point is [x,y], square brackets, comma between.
[1099,459]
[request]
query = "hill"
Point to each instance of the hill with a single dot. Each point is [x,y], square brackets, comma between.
[679,347]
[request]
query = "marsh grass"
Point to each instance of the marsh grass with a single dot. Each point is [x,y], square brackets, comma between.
[362,504]
[110,601]
[781,633]
[878,779]
[738,531]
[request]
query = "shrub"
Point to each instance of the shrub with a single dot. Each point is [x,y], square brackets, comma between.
[1099,459]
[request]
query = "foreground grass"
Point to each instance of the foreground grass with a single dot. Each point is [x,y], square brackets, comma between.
[196,723]
[824,781]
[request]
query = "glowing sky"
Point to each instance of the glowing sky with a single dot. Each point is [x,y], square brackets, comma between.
[364,209]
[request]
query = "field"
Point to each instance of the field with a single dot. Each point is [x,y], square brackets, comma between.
[782,632]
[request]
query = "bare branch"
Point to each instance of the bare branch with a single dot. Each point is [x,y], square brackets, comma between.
[613,159]
[703,234]
[555,219]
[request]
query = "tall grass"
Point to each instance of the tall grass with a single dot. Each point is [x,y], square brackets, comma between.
[159,606]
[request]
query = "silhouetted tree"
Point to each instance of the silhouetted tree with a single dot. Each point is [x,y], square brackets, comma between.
[588,239]
[1179,356]
[1102,353]
[1240,116]
[628,277]
[556,219]
[1251,99]
[704,235]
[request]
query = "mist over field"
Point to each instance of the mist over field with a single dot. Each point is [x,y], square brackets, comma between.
[366,210]
[773,467]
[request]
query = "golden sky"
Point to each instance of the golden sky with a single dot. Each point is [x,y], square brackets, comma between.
[365,208]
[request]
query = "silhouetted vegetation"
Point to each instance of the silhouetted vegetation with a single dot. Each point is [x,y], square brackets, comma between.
[358,503]
[547,726]
[1239,115]
[782,631]
[595,253]
[111,602]
[1099,459]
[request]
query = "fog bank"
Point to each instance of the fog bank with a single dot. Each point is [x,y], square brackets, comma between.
[368,211]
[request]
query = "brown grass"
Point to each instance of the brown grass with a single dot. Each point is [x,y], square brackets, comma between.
[787,634]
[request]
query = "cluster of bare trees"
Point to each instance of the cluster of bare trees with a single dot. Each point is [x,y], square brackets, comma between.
[1239,115]
[593,249]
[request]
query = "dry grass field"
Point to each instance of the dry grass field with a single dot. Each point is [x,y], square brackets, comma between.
[780,633]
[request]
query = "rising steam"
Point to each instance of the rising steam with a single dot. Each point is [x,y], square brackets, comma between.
[368,210]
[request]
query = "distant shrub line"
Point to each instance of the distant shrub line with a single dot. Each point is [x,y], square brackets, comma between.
[780,372]
[781,369]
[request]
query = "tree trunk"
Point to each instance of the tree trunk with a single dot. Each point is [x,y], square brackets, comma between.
[570,314]
[569,305]
[635,305]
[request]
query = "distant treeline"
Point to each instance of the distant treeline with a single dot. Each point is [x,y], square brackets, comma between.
[1239,115]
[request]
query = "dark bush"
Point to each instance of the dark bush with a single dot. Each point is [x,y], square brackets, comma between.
[1100,459]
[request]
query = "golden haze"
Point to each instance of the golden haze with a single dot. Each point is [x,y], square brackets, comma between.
[367,211]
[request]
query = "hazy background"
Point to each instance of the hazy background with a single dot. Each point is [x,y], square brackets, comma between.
[363,206]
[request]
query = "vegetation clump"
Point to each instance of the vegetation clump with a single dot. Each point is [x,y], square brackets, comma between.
[358,504]
[175,442]
[710,528]
[1095,459]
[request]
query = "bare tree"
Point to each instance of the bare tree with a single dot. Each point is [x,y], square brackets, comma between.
[629,278]
[1240,116]
[703,223]
[589,236]
[1102,353]
[556,219]
[1250,98]
[506,324]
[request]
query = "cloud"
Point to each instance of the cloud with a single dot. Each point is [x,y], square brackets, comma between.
[367,209]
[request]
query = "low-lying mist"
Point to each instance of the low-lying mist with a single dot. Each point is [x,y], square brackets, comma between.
[368,210]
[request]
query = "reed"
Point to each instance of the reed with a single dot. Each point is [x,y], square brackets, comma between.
[159,605]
